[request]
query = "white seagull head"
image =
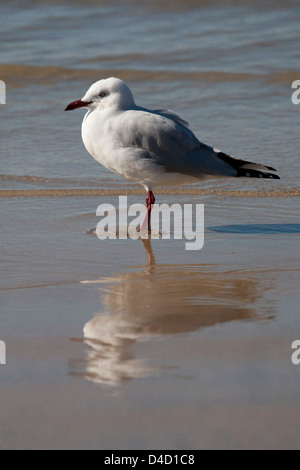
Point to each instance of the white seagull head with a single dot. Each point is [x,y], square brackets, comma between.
[107,93]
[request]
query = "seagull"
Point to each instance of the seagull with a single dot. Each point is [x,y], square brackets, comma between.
[151,147]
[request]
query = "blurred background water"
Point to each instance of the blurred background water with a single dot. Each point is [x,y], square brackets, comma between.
[226,67]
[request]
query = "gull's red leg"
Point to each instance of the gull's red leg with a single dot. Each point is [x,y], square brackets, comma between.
[150,200]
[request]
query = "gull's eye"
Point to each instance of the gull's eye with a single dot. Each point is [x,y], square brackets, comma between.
[102,94]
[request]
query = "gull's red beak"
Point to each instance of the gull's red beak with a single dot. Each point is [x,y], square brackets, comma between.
[77,104]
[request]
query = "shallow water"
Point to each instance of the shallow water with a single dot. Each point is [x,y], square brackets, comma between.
[123,344]
[111,334]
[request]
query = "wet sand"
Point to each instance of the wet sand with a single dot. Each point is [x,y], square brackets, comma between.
[4,193]
[120,344]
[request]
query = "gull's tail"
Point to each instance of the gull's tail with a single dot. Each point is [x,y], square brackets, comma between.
[247,169]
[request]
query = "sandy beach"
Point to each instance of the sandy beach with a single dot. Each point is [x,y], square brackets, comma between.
[130,344]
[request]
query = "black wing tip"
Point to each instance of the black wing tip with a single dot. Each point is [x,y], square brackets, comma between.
[270,168]
[245,173]
[238,164]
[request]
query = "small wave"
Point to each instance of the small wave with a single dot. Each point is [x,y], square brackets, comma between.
[58,182]
[179,5]
[25,179]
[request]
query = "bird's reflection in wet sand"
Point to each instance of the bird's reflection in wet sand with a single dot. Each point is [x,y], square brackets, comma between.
[158,300]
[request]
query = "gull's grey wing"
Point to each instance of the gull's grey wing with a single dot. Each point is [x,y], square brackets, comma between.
[171,115]
[164,138]
[165,113]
